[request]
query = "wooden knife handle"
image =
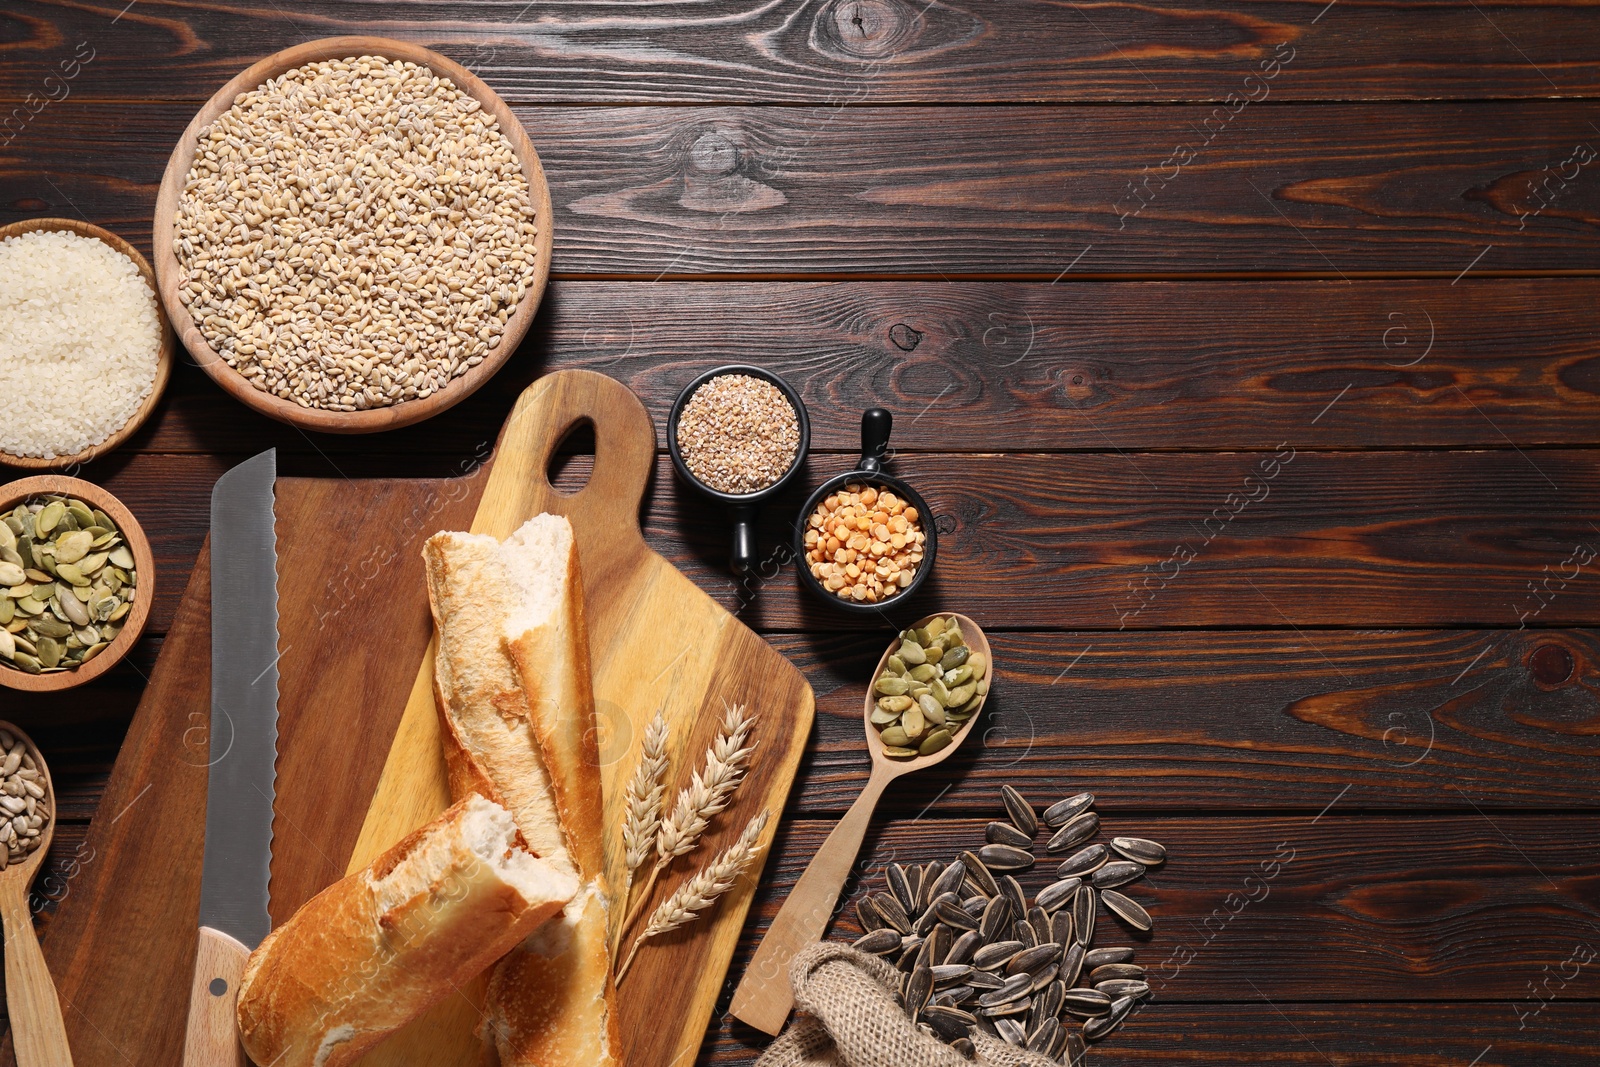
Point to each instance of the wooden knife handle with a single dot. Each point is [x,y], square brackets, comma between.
[765,996]
[212,1037]
[38,1036]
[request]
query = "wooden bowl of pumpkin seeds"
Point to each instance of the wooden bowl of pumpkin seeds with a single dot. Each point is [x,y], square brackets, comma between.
[76,582]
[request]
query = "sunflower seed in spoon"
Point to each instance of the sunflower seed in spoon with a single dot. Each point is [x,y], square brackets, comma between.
[1084,862]
[1058,813]
[1020,811]
[1127,909]
[1005,857]
[1115,873]
[1140,850]
[1004,833]
[1074,832]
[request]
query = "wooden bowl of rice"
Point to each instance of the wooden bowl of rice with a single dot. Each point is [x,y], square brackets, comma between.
[107,370]
[320,333]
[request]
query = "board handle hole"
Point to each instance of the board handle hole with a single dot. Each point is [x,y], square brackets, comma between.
[572,462]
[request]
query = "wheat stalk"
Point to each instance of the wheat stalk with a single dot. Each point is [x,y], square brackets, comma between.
[708,793]
[702,890]
[642,819]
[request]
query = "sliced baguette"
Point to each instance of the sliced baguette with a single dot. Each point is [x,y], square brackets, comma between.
[527,733]
[379,947]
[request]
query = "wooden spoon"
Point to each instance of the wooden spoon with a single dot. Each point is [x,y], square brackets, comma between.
[764,996]
[38,1036]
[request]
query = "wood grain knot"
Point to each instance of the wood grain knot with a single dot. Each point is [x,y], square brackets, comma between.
[867,29]
[1551,665]
[713,179]
[904,337]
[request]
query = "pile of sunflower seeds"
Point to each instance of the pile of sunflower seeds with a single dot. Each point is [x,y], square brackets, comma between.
[67,583]
[974,954]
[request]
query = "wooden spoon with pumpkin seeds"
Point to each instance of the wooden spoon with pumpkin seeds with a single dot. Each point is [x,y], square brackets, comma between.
[764,996]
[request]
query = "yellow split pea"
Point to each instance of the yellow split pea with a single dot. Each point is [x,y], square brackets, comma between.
[864,544]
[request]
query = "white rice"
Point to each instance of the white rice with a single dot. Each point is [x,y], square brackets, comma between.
[79,341]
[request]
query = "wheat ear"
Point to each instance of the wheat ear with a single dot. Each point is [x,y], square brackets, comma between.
[707,793]
[646,790]
[702,890]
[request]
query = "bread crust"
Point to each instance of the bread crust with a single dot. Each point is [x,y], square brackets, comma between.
[518,715]
[379,947]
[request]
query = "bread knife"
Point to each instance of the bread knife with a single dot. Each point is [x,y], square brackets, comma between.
[243,756]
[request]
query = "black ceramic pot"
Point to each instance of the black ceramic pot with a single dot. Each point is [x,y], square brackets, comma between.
[742,507]
[875,426]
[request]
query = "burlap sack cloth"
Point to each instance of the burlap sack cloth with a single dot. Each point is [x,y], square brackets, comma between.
[850,1018]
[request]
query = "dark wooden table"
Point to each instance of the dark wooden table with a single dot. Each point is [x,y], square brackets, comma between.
[1247,354]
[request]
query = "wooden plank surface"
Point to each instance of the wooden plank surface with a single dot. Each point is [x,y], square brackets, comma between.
[1111,541]
[1334,191]
[1072,435]
[840,52]
[1003,366]
[1273,720]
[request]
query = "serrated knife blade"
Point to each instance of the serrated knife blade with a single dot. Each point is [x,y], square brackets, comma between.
[243,755]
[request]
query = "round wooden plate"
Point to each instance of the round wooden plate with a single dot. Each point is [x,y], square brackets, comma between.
[14,493]
[163,357]
[373,419]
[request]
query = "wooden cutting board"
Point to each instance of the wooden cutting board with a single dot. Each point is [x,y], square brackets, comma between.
[360,762]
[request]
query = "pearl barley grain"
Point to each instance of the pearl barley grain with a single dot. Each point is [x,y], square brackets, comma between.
[738,434]
[354,234]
